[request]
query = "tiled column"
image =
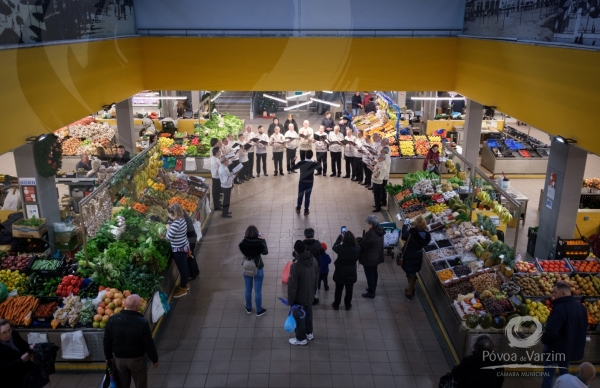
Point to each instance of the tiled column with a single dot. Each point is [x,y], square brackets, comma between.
[558,212]
[126,133]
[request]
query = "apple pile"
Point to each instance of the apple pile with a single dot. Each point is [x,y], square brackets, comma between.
[113,303]
[525,267]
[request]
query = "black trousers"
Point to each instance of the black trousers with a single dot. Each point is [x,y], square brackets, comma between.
[303,154]
[180,259]
[349,161]
[290,154]
[358,169]
[339,288]
[377,189]
[322,160]
[368,174]
[304,326]
[336,163]
[278,161]
[250,164]
[323,279]
[242,173]
[372,276]
[216,193]
[261,158]
[226,199]
[384,193]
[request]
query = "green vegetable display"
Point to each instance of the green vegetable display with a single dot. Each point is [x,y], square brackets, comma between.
[46,265]
[411,179]
[33,221]
[219,127]
[39,286]
[86,315]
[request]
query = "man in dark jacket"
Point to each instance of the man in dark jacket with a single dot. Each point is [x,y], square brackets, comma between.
[328,122]
[121,158]
[565,336]
[307,179]
[302,285]
[315,249]
[370,107]
[356,104]
[16,361]
[371,253]
[469,373]
[127,341]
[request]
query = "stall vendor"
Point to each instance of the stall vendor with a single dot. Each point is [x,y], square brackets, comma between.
[84,163]
[432,154]
[121,158]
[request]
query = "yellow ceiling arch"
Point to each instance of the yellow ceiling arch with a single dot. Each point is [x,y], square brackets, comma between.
[44,88]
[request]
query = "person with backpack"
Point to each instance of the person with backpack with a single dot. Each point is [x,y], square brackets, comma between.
[253,246]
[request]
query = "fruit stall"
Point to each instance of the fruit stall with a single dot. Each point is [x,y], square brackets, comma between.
[122,223]
[476,282]
[513,152]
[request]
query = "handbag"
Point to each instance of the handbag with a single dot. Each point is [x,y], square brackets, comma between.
[285,275]
[249,268]
[400,255]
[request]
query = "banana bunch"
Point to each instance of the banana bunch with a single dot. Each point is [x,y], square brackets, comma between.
[451,167]
[497,208]
[462,175]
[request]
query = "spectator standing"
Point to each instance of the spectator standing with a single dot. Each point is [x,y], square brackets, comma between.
[84,163]
[16,358]
[177,236]
[345,273]
[328,122]
[371,253]
[366,98]
[290,120]
[253,246]
[469,373]
[302,285]
[584,379]
[121,158]
[315,249]
[193,269]
[127,341]
[356,104]
[415,238]
[325,260]
[274,124]
[370,107]
[565,336]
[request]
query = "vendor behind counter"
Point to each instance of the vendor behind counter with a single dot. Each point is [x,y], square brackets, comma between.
[84,163]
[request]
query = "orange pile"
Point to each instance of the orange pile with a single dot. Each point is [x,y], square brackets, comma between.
[585,266]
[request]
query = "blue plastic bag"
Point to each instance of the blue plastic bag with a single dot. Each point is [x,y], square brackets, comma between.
[290,323]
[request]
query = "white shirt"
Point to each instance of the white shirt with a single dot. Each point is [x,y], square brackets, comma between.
[214,167]
[243,154]
[237,154]
[321,146]
[225,149]
[378,173]
[569,381]
[333,137]
[226,176]
[277,140]
[306,144]
[349,148]
[261,148]
[293,144]
[248,136]
[360,141]
[366,156]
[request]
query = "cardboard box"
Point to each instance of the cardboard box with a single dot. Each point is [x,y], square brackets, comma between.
[23,231]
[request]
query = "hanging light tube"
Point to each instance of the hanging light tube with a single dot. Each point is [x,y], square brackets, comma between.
[325,102]
[327,91]
[299,95]
[297,105]
[274,98]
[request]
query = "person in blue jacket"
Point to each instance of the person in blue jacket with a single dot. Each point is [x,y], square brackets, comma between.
[566,331]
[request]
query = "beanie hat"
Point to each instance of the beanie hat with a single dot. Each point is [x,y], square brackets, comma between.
[324,246]
[299,246]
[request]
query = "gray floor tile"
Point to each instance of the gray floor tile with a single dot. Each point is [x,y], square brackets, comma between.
[381,368]
[279,380]
[258,380]
[216,380]
[384,381]
[195,380]
[364,381]
[174,381]
[405,381]
[237,380]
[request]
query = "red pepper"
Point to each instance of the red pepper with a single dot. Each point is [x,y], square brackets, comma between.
[75,291]
[70,289]
[71,276]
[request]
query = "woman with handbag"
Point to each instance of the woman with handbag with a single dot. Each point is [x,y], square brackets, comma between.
[415,239]
[344,275]
[253,246]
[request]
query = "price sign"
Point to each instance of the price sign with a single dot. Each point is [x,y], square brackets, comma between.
[27,181]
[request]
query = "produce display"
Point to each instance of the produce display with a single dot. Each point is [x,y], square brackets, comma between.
[13,280]
[46,265]
[85,136]
[18,309]
[15,263]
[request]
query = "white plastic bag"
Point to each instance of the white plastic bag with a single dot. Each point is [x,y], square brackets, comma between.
[157,308]
[190,164]
[99,298]
[37,338]
[198,229]
[207,206]
[73,346]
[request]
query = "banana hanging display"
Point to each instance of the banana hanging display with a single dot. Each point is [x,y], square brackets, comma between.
[497,208]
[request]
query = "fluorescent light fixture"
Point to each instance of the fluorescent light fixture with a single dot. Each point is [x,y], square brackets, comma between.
[297,105]
[438,98]
[327,91]
[274,98]
[166,98]
[298,95]
[560,139]
[325,102]
[217,96]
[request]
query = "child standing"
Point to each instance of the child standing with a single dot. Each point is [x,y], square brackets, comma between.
[325,261]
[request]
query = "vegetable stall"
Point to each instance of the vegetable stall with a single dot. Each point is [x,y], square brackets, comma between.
[124,252]
[475,281]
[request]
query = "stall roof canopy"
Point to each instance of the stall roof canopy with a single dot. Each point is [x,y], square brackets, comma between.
[551,88]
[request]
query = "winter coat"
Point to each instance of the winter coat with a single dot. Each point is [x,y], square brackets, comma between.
[325,260]
[468,374]
[128,335]
[356,102]
[253,249]
[413,254]
[315,248]
[12,368]
[566,329]
[431,155]
[371,247]
[303,281]
[287,123]
[346,263]
[371,107]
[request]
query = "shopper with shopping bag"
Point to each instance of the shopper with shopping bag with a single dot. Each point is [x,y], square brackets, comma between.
[303,281]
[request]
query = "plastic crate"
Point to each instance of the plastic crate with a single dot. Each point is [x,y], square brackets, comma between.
[531,240]
[33,245]
[572,247]
[47,273]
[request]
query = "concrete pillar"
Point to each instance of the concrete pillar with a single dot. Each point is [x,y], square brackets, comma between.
[45,187]
[168,106]
[195,100]
[558,213]
[401,99]
[126,133]
[472,131]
